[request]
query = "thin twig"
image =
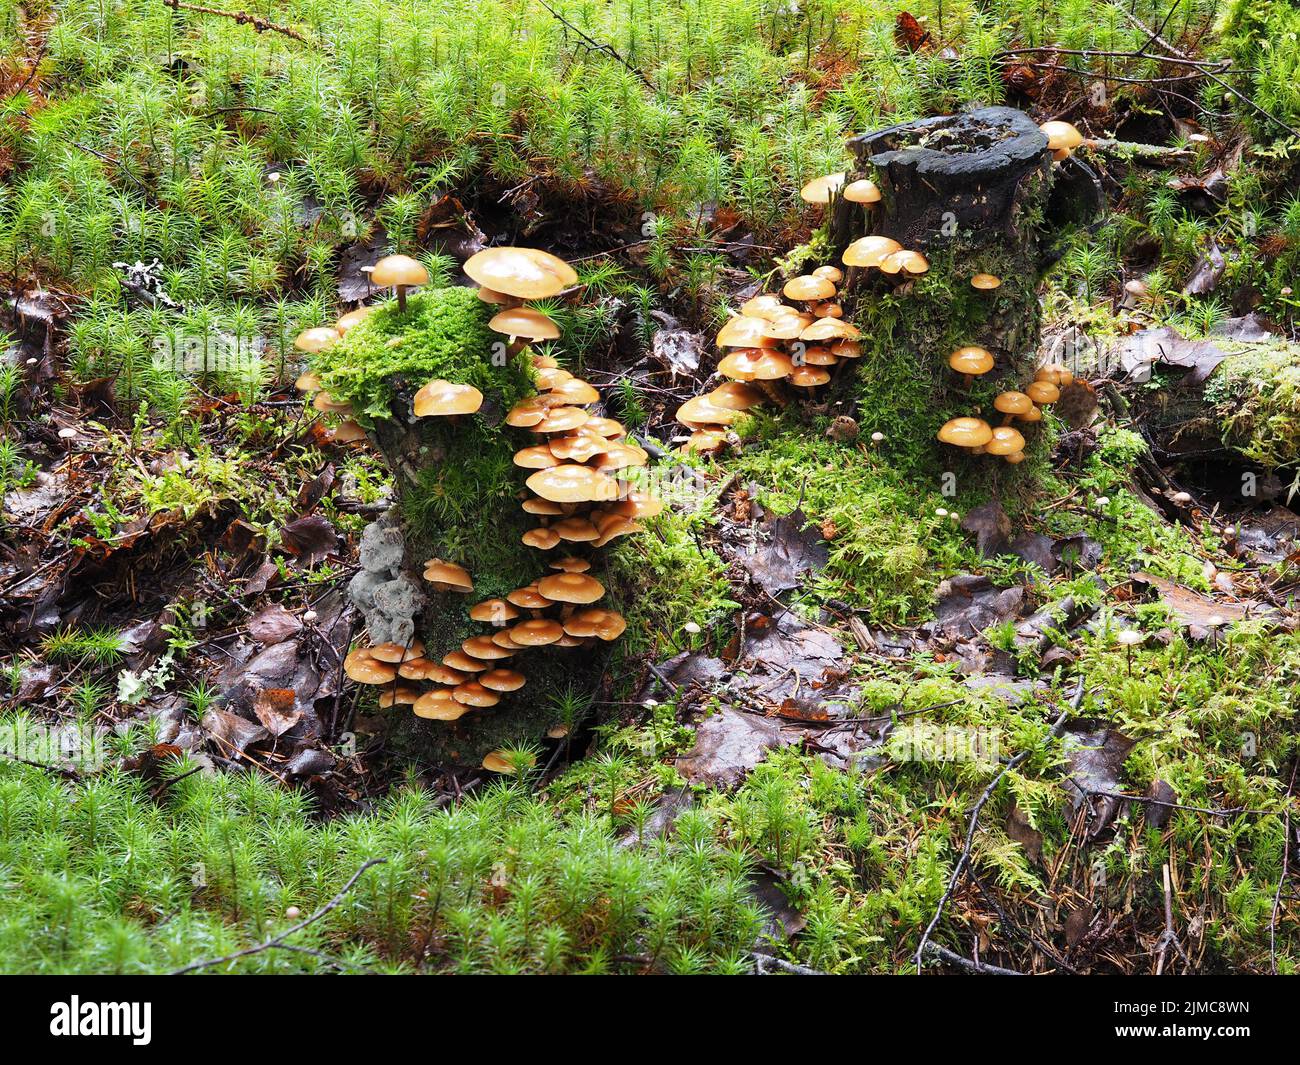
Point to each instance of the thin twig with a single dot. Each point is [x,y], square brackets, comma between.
[277,941]
[595,46]
[969,964]
[244,18]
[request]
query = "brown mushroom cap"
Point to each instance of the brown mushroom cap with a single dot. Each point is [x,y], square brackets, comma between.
[576,530]
[572,484]
[395,652]
[438,705]
[1043,392]
[830,329]
[1055,373]
[327,404]
[360,665]
[971,360]
[571,588]
[498,762]
[394,270]
[503,680]
[1012,402]
[739,364]
[447,576]
[460,661]
[525,273]
[504,640]
[529,598]
[483,648]
[424,669]
[348,432]
[575,390]
[637,504]
[808,376]
[821,190]
[497,299]
[536,632]
[816,355]
[772,366]
[808,287]
[541,538]
[550,376]
[595,621]
[619,456]
[1033,414]
[832,273]
[734,396]
[612,526]
[766,305]
[606,427]
[1015,458]
[537,457]
[1061,135]
[743,331]
[318,338]
[966,432]
[524,322]
[862,191]
[868,251]
[1005,441]
[846,349]
[308,381]
[706,441]
[402,695]
[526,414]
[788,326]
[352,318]
[533,505]
[909,262]
[561,420]
[472,693]
[700,411]
[579,446]
[444,398]
[985,282]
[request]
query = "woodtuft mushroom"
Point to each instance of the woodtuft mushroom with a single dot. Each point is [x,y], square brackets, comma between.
[399,272]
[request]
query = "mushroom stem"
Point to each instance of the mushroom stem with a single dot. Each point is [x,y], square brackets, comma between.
[772,391]
[401,299]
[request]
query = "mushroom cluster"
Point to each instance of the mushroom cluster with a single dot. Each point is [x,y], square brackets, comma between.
[574,490]
[794,337]
[886,255]
[1005,440]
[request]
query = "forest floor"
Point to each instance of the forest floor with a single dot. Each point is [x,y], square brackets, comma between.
[862,720]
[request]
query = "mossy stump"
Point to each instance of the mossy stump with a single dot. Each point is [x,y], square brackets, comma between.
[457,497]
[968,191]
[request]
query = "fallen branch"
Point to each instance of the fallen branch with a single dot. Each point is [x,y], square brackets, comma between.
[244,18]
[969,964]
[593,45]
[964,860]
[278,941]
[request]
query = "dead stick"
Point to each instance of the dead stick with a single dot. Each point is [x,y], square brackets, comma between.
[276,941]
[244,18]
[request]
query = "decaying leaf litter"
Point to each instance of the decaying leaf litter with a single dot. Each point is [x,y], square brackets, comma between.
[786,667]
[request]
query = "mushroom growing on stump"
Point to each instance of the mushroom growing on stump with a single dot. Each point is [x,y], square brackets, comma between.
[522,273]
[966,432]
[971,362]
[399,272]
[957,189]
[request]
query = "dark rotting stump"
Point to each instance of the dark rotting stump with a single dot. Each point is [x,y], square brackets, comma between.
[947,175]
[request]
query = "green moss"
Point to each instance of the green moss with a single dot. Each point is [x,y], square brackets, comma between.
[1257,397]
[442,334]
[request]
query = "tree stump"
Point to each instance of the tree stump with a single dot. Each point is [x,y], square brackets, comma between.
[969,191]
[973,193]
[457,498]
